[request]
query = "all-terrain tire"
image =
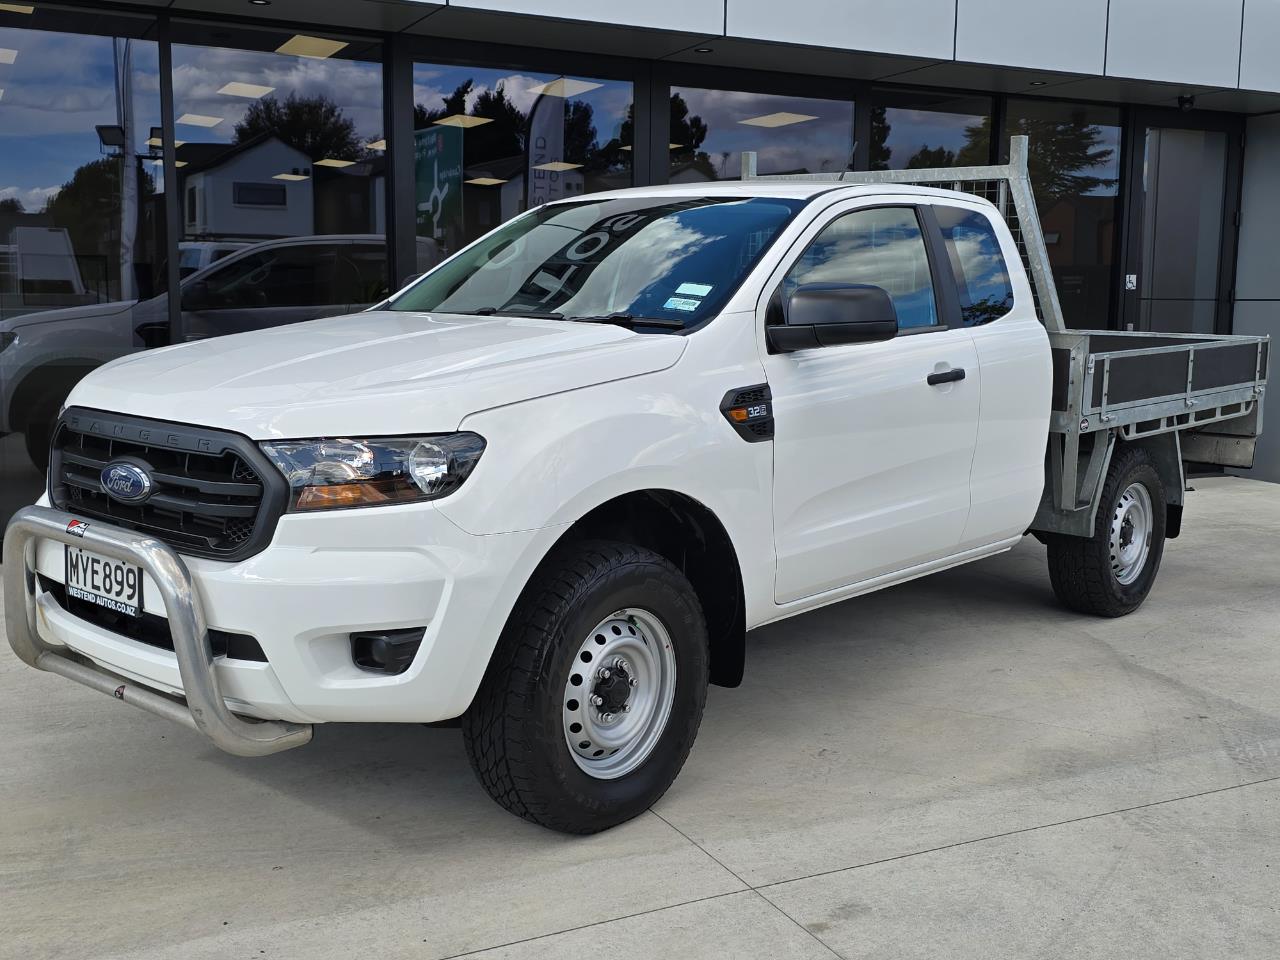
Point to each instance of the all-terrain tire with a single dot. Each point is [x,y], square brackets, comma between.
[515,729]
[1083,571]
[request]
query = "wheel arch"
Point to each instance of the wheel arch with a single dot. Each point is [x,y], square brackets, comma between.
[44,381]
[689,534]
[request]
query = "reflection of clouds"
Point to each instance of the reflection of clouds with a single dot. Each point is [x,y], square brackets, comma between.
[200,72]
[63,83]
[649,256]
[32,199]
[433,83]
[60,88]
[877,248]
[984,268]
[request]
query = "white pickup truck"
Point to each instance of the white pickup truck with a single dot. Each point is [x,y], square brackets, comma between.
[549,487]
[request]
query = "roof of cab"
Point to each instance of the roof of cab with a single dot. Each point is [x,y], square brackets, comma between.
[788,189]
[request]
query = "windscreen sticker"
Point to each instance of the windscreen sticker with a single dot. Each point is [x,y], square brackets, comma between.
[694,289]
[682,303]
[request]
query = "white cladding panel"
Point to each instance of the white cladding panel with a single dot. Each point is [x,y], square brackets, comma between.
[919,28]
[1039,34]
[1181,41]
[691,16]
[1259,65]
[1256,275]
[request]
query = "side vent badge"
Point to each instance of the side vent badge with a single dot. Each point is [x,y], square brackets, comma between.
[749,410]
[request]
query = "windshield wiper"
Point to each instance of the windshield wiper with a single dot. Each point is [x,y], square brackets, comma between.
[631,322]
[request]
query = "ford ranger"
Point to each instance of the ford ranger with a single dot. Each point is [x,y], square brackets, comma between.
[550,486]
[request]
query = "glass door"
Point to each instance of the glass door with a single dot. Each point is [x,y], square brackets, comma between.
[1181,240]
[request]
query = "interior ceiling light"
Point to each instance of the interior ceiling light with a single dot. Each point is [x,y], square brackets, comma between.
[8,56]
[315,48]
[333,162]
[377,145]
[291,177]
[557,166]
[564,87]
[17,8]
[260,3]
[1038,83]
[780,119]
[701,49]
[462,120]
[157,142]
[199,120]
[251,91]
[179,163]
[485,181]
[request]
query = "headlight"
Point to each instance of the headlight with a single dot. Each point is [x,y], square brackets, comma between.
[365,473]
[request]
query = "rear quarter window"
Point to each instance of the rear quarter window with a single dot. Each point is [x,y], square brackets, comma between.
[978,264]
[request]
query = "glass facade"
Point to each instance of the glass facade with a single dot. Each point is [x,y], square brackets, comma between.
[300,174]
[81,217]
[711,128]
[1075,172]
[491,143]
[281,179]
[912,129]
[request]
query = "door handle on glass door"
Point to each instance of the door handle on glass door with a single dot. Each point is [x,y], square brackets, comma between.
[946,376]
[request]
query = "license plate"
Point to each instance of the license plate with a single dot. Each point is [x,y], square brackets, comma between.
[108,583]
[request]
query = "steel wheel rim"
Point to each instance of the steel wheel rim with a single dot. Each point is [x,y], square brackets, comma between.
[628,654]
[1131,529]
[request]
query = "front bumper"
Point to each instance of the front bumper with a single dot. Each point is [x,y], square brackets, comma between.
[324,576]
[203,708]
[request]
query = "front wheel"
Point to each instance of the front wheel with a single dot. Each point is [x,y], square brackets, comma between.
[595,693]
[1111,573]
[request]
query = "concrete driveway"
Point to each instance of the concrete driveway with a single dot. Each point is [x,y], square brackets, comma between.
[951,769]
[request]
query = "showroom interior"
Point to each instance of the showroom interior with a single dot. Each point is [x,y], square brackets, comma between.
[167,175]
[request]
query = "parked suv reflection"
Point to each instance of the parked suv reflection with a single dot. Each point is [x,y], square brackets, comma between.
[43,355]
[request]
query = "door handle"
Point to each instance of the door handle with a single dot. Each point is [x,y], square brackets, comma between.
[947,376]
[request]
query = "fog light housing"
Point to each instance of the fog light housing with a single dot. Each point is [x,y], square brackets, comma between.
[386,651]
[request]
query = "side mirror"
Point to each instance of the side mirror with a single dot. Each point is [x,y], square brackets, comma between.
[830,314]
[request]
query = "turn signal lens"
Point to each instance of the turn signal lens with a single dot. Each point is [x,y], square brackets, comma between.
[337,473]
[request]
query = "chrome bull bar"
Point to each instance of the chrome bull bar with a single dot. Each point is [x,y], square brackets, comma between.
[204,709]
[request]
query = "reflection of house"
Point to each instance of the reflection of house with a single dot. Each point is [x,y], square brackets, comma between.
[266,188]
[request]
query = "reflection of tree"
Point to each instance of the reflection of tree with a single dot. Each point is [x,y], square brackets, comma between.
[688,133]
[12,205]
[975,150]
[88,208]
[315,126]
[985,310]
[507,132]
[1062,153]
[880,150]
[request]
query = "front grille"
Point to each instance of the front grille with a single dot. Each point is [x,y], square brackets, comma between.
[148,628]
[214,494]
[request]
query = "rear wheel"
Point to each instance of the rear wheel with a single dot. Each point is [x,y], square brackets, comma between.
[595,693]
[1111,573]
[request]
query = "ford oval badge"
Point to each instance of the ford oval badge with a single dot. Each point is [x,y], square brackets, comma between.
[125,482]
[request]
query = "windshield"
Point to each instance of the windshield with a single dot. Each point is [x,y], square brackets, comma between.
[675,261]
